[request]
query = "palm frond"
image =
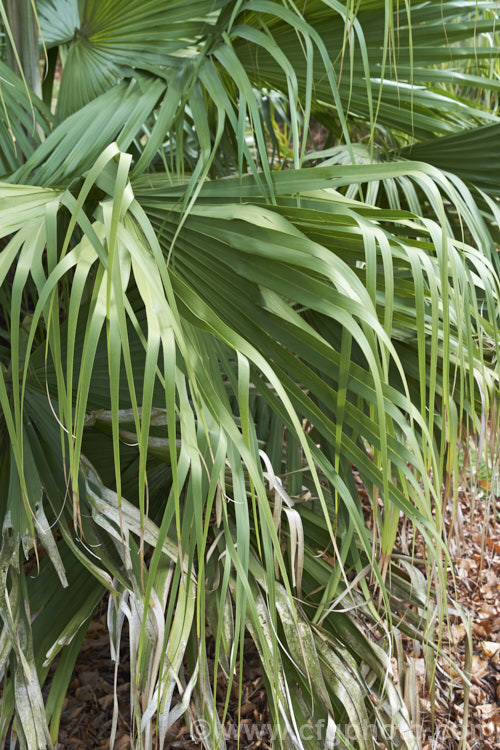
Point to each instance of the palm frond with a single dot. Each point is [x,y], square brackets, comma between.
[203,352]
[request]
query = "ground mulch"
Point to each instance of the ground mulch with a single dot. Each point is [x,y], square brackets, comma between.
[474,543]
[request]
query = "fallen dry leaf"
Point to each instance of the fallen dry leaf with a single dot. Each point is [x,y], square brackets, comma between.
[490,648]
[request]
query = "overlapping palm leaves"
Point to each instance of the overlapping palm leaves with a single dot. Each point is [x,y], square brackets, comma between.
[191,367]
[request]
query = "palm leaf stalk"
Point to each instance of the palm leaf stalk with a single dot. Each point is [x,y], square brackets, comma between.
[198,346]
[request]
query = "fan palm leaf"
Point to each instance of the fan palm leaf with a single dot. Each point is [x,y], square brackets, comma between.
[198,347]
